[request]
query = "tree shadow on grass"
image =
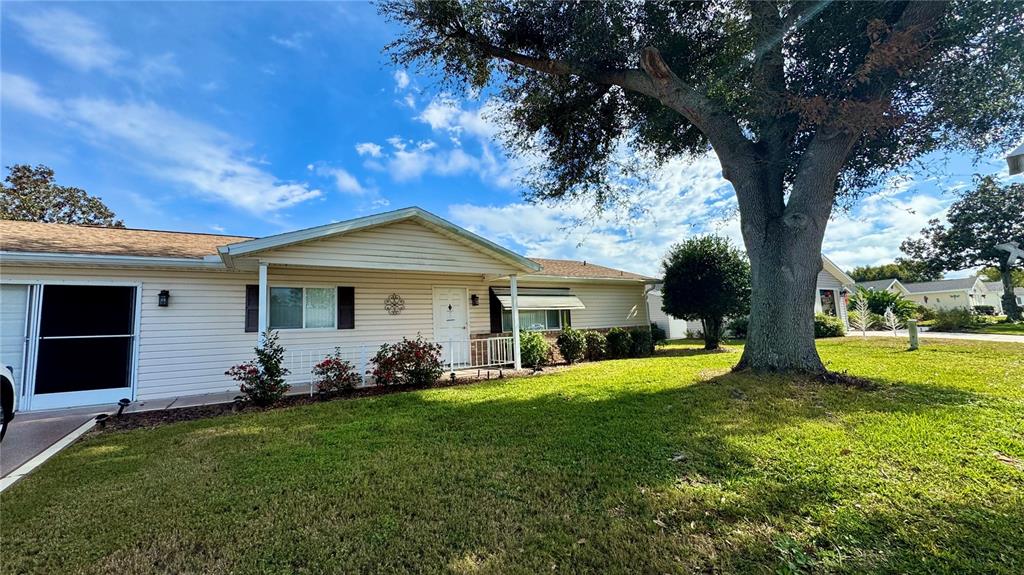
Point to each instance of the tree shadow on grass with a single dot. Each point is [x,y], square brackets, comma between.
[736,473]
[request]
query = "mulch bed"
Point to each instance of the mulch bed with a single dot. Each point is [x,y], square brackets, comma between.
[158,417]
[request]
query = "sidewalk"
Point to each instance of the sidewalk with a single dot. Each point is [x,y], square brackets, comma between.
[944,335]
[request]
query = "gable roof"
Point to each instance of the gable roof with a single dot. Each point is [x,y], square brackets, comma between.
[956,284]
[253,246]
[16,236]
[830,266]
[878,284]
[35,238]
[583,269]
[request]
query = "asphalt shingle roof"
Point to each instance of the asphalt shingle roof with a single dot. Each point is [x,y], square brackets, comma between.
[17,236]
[942,285]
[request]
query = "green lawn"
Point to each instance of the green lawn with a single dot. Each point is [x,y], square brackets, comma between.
[1006,328]
[662,465]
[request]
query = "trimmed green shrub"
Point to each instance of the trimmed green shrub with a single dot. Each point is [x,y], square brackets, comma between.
[738,326]
[955,319]
[572,344]
[658,334]
[641,344]
[596,345]
[533,349]
[415,362]
[925,313]
[828,326]
[619,343]
[261,380]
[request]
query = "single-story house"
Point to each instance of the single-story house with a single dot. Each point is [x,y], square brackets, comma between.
[948,294]
[833,289]
[91,315]
[890,285]
[995,296]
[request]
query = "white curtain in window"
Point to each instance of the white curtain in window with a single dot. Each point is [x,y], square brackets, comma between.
[320,311]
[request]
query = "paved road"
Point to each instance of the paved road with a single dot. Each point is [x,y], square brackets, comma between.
[945,335]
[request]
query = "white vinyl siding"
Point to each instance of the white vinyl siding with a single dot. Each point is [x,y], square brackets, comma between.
[186,347]
[403,245]
[607,304]
[827,281]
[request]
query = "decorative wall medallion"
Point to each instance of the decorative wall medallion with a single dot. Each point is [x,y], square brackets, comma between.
[394,304]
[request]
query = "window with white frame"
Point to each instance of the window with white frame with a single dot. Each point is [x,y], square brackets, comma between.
[303,308]
[537,319]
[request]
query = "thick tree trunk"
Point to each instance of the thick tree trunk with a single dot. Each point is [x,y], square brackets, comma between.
[785,259]
[1009,299]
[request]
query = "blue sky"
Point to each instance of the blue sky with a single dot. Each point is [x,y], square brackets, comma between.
[256,118]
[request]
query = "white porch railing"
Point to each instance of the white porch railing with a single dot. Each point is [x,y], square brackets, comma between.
[455,355]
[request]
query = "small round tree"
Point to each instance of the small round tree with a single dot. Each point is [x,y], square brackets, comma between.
[706,278]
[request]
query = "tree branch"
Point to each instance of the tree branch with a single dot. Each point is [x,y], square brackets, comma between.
[828,150]
[735,151]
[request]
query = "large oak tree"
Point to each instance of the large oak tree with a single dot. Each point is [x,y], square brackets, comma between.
[31,194]
[804,103]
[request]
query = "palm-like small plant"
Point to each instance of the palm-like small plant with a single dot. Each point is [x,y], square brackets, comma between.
[892,321]
[861,320]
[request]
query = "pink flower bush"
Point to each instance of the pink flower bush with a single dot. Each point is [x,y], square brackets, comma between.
[335,375]
[415,362]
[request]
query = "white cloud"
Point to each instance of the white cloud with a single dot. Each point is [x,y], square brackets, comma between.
[168,146]
[344,181]
[401,80]
[70,38]
[295,41]
[684,198]
[22,93]
[368,149]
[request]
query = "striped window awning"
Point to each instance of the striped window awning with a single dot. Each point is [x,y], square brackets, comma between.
[539,298]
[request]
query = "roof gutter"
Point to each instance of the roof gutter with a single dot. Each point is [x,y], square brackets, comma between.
[49,258]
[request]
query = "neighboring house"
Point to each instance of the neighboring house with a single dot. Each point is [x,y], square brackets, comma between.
[948,294]
[91,315]
[832,293]
[890,285]
[995,296]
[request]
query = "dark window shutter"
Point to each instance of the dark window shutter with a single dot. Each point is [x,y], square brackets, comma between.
[346,307]
[252,308]
[495,306]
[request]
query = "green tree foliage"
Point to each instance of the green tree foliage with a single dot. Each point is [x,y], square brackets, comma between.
[907,271]
[803,103]
[983,218]
[706,278]
[992,274]
[881,300]
[30,194]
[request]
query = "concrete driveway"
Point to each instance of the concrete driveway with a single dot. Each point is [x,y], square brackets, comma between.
[31,434]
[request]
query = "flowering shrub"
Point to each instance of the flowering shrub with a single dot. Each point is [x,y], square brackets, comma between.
[415,362]
[335,375]
[262,379]
[572,344]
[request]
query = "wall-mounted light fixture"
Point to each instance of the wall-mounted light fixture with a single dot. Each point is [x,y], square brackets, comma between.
[474,300]
[163,298]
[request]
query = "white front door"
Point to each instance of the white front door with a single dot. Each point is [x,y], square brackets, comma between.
[451,324]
